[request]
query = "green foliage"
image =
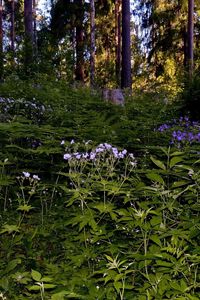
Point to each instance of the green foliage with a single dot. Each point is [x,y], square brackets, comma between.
[94,229]
[191,97]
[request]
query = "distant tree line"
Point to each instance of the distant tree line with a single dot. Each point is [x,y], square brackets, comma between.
[101,42]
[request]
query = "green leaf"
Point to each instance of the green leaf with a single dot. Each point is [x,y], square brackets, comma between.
[46,279]
[49,286]
[104,207]
[156,240]
[59,296]
[175,160]
[12,265]
[179,183]
[176,153]
[155,177]
[158,163]
[118,285]
[163,263]
[10,229]
[36,275]
[34,288]
[25,207]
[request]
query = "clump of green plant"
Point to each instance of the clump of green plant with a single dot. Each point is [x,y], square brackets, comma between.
[191,97]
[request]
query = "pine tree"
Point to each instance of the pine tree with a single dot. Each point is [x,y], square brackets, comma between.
[92,43]
[118,40]
[1,40]
[190,36]
[28,25]
[126,45]
[79,70]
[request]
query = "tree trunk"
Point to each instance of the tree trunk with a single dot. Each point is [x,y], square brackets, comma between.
[12,27]
[28,24]
[185,48]
[79,71]
[1,40]
[92,43]
[34,27]
[118,40]
[126,47]
[190,36]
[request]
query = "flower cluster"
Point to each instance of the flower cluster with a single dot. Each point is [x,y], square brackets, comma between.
[183,130]
[100,151]
[28,175]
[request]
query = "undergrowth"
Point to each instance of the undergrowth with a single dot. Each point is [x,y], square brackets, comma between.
[96,203]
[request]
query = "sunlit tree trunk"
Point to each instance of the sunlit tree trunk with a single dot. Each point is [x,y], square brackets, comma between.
[12,28]
[118,40]
[190,36]
[92,43]
[79,71]
[126,47]
[1,40]
[28,24]
[35,26]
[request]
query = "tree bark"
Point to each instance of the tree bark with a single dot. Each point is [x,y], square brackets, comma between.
[1,40]
[34,27]
[126,48]
[12,27]
[79,71]
[28,24]
[118,40]
[92,43]
[190,36]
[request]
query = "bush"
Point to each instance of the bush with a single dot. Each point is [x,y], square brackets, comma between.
[191,98]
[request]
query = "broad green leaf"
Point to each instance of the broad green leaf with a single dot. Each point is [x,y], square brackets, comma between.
[163,263]
[34,288]
[185,167]
[184,285]
[158,163]
[175,285]
[118,285]
[156,220]
[119,277]
[175,160]
[179,183]
[36,275]
[49,286]
[156,240]
[176,153]
[155,177]
[59,296]
[46,279]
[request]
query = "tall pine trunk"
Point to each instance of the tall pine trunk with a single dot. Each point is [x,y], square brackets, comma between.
[118,41]
[79,70]
[12,30]
[1,40]
[126,45]
[92,43]
[35,27]
[12,27]
[190,36]
[28,24]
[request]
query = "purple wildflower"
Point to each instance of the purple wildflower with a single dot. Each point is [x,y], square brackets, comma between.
[67,156]
[36,177]
[92,155]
